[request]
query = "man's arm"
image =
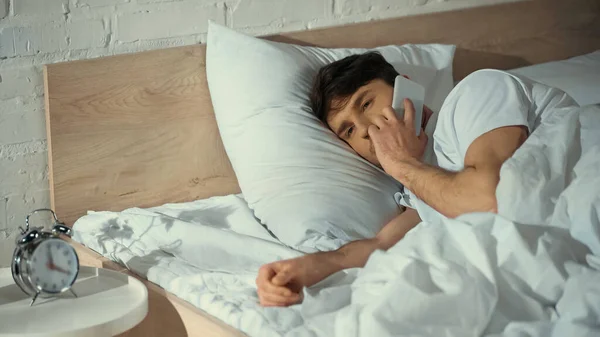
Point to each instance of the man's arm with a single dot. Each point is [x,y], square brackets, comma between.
[451,193]
[355,254]
[474,188]
[280,283]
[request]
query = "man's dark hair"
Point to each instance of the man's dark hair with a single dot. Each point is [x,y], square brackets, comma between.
[336,82]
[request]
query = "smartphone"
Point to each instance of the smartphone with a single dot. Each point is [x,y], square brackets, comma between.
[405,88]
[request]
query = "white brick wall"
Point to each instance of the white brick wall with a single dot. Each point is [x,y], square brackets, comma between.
[86,34]
[267,12]
[37,7]
[185,18]
[3,8]
[97,3]
[20,81]
[39,39]
[36,32]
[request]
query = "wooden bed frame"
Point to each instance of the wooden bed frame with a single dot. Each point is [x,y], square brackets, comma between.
[139,129]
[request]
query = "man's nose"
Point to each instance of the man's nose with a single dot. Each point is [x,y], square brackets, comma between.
[362,128]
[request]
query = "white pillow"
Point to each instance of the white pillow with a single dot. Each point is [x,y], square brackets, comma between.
[578,76]
[307,186]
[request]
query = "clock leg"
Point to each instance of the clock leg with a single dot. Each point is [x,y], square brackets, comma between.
[34,298]
[73,292]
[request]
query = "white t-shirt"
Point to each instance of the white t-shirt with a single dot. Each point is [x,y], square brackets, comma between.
[483,101]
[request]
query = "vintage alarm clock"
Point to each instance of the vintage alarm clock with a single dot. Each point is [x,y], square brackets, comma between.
[43,264]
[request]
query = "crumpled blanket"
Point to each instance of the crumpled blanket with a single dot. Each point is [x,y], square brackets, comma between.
[532,271]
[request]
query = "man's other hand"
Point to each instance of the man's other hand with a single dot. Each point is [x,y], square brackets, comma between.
[280,283]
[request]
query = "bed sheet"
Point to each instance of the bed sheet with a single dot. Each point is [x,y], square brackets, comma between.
[206,252]
[578,76]
[535,271]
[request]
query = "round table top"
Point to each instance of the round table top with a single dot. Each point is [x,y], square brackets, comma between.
[107,303]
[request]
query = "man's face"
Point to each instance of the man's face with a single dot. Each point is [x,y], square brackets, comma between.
[351,122]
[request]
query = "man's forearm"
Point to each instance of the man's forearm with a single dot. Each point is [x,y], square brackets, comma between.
[355,254]
[351,255]
[450,193]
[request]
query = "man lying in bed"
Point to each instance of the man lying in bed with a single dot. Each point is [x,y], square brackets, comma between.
[481,124]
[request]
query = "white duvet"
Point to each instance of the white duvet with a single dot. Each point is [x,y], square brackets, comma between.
[535,271]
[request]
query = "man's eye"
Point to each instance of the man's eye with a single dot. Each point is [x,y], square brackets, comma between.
[350,131]
[366,105]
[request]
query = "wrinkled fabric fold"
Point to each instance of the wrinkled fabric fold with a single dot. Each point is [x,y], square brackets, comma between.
[534,271]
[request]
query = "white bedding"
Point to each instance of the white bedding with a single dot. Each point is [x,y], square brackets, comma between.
[533,272]
[578,76]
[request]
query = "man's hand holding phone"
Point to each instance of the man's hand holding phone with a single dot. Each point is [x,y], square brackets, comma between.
[395,140]
[404,88]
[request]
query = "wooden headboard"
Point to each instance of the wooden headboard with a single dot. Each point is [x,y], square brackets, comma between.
[139,129]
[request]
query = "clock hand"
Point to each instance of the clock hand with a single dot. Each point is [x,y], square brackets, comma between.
[50,261]
[57,268]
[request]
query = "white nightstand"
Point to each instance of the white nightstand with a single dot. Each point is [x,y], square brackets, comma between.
[108,303]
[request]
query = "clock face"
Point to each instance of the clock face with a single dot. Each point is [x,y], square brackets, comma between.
[53,266]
